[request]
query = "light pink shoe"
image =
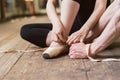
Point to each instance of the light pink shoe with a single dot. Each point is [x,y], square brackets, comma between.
[54,50]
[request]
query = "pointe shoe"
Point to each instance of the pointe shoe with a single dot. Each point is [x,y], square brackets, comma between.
[53,51]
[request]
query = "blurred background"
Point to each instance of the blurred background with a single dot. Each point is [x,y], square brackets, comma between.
[20,8]
[10,9]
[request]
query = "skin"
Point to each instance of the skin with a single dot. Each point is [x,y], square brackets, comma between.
[62,26]
[106,31]
[81,34]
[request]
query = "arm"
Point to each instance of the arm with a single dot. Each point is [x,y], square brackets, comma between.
[99,9]
[51,12]
[58,27]
[80,35]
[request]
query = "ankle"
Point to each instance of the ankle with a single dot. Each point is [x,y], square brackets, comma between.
[92,52]
[56,44]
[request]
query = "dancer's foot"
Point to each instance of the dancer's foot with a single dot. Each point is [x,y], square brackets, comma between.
[54,50]
[79,50]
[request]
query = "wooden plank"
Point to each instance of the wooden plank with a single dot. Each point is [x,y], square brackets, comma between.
[113,67]
[6,35]
[105,70]
[7,39]
[114,71]
[33,67]
[9,44]
[9,59]
[96,70]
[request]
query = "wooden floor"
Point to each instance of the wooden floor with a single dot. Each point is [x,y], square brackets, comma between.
[32,66]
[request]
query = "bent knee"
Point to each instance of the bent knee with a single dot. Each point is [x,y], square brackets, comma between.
[24,31]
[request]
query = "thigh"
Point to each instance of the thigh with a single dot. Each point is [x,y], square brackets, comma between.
[108,14]
[104,20]
[36,33]
[106,17]
[38,26]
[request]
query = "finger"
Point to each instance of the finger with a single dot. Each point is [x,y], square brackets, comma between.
[61,38]
[70,41]
[55,38]
[69,38]
[76,40]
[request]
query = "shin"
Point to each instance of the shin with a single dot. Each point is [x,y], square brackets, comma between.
[109,34]
[69,10]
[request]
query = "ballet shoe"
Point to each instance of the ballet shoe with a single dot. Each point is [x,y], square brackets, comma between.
[54,51]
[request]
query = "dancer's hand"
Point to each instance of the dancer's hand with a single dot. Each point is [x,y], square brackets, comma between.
[78,50]
[77,36]
[59,34]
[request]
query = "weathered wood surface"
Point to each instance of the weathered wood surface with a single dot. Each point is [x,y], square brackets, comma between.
[31,66]
[8,60]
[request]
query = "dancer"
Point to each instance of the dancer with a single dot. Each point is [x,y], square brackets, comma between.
[77,16]
[106,31]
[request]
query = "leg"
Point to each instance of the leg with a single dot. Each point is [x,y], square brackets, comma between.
[69,10]
[109,34]
[67,18]
[109,23]
[104,20]
[36,33]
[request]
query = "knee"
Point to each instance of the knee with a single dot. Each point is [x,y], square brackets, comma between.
[24,31]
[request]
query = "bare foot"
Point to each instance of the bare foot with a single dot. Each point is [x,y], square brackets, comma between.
[78,50]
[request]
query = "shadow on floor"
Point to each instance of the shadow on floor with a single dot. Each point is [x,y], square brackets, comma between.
[112,51]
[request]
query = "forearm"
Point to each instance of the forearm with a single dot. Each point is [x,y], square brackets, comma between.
[95,16]
[52,14]
[109,34]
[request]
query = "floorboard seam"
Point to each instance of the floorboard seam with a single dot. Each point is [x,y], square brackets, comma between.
[14,63]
